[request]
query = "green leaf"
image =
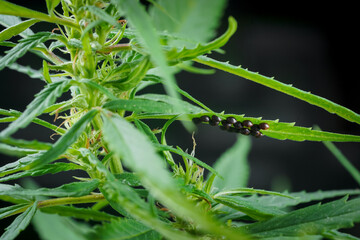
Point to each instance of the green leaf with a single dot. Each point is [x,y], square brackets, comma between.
[137,16]
[46,169]
[151,171]
[250,208]
[51,5]
[312,220]
[195,20]
[54,227]
[26,70]
[7,211]
[140,105]
[19,164]
[16,29]
[43,100]
[145,129]
[19,224]
[185,54]
[342,159]
[336,235]
[64,141]
[22,47]
[15,151]
[124,229]
[75,189]
[301,197]
[8,21]
[34,144]
[8,8]
[187,107]
[233,165]
[284,88]
[161,147]
[129,178]
[17,114]
[125,200]
[102,14]
[80,213]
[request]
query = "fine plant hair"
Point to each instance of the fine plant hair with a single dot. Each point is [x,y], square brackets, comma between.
[102,54]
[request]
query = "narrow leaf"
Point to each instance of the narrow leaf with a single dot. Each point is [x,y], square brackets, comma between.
[65,141]
[195,20]
[80,213]
[285,88]
[19,224]
[124,229]
[8,8]
[311,220]
[54,227]
[75,189]
[252,209]
[4,212]
[233,165]
[43,100]
[16,29]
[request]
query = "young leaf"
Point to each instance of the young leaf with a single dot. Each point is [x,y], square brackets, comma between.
[51,5]
[252,209]
[15,151]
[19,164]
[175,56]
[285,88]
[75,189]
[8,8]
[300,197]
[140,105]
[124,229]
[54,227]
[8,21]
[146,130]
[19,224]
[65,141]
[103,15]
[195,20]
[46,169]
[151,170]
[43,100]
[22,47]
[313,220]
[80,213]
[233,165]
[26,70]
[141,21]
[16,29]
[7,211]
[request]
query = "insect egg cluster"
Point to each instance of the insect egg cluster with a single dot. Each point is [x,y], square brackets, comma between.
[230,124]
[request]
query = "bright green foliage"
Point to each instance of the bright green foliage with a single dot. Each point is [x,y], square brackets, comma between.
[111,51]
[233,166]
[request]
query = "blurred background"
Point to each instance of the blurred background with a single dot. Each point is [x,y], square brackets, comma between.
[309,45]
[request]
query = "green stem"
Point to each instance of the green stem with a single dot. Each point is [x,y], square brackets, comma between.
[95,197]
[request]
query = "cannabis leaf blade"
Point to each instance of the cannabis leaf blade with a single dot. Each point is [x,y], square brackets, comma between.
[285,88]
[312,220]
[19,224]
[43,100]
[233,165]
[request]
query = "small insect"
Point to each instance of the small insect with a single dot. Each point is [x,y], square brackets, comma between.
[205,118]
[264,126]
[231,120]
[244,131]
[215,118]
[246,127]
[238,125]
[225,124]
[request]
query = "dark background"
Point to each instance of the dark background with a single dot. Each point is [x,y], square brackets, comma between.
[312,46]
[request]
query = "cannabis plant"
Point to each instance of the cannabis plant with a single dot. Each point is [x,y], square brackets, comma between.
[129,183]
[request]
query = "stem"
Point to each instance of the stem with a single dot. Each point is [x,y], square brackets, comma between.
[116,48]
[95,197]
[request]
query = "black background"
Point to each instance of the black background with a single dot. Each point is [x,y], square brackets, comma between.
[312,46]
